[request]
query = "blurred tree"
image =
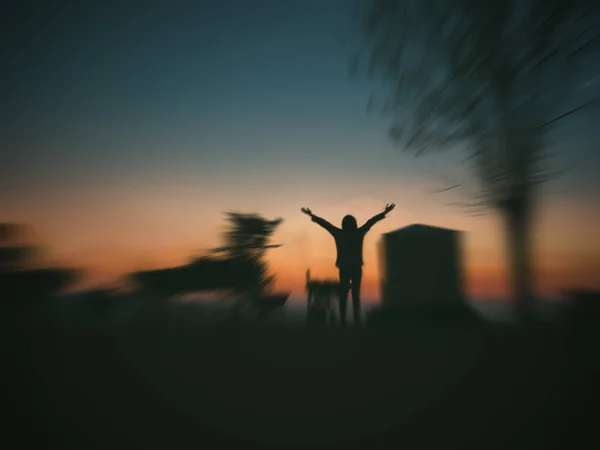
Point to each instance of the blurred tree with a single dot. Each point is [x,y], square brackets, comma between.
[247,238]
[237,268]
[19,280]
[12,255]
[489,78]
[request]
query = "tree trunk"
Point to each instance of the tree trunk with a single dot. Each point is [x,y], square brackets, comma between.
[518,239]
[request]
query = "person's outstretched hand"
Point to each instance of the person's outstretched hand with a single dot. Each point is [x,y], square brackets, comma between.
[389,207]
[307,211]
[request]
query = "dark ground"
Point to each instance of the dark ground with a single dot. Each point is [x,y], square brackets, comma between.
[81,385]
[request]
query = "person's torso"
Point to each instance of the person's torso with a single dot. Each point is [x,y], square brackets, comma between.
[349,246]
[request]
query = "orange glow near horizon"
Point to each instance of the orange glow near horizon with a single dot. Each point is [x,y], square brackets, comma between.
[137,231]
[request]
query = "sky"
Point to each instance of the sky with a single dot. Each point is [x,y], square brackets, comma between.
[129,129]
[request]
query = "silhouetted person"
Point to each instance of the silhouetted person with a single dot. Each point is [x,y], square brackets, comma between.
[349,244]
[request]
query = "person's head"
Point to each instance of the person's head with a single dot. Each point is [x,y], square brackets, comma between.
[349,223]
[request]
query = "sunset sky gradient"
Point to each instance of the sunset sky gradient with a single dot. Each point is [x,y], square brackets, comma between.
[131,130]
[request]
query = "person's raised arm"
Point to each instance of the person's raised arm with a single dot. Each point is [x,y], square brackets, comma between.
[320,221]
[376,218]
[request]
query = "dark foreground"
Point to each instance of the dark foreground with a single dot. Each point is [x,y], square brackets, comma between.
[421,386]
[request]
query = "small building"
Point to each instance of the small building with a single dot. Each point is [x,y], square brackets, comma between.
[421,266]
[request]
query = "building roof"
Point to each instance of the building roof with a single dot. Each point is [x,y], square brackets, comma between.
[419,227]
